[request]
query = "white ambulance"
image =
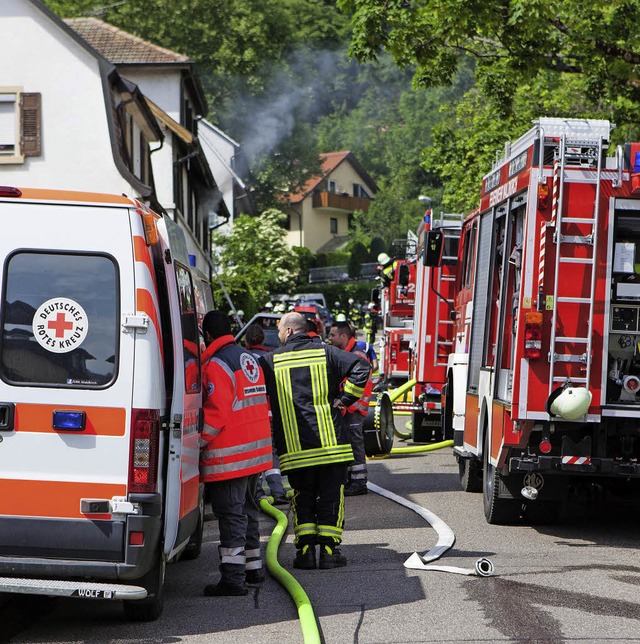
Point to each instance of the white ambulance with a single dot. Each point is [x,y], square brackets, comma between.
[100,399]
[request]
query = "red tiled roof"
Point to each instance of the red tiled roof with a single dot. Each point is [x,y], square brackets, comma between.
[119,47]
[329,161]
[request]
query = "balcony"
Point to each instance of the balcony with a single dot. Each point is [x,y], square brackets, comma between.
[340,201]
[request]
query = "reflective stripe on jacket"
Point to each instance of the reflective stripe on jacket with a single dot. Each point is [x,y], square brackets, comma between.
[303,380]
[236,439]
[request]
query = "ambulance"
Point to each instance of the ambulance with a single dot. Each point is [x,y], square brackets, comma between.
[100,398]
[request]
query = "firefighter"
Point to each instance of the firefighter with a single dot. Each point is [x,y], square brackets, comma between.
[370,325]
[236,441]
[386,268]
[303,381]
[354,313]
[342,335]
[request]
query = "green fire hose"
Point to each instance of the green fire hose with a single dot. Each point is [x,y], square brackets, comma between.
[308,624]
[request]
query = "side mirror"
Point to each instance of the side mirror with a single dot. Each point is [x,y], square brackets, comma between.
[403,275]
[432,251]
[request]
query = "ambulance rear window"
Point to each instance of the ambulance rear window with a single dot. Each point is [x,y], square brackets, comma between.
[60,317]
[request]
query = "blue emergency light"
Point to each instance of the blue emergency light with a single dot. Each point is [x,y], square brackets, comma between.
[69,420]
[636,162]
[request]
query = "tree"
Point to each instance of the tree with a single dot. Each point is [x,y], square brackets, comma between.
[253,259]
[513,42]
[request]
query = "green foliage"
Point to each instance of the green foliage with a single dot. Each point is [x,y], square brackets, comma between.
[253,260]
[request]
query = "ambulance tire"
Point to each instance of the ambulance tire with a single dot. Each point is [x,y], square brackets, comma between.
[150,608]
[497,511]
[470,474]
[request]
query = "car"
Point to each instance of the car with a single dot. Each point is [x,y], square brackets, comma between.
[269,322]
[317,298]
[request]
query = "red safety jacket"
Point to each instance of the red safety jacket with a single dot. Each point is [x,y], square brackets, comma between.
[362,404]
[236,439]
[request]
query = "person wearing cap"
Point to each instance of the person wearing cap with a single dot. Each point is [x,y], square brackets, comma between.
[309,384]
[236,448]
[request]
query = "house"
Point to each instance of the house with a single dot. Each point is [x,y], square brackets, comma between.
[184,181]
[68,119]
[319,214]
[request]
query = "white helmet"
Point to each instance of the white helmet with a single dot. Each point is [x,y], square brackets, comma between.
[268,305]
[341,317]
[350,300]
[336,303]
[240,313]
[383,258]
[572,403]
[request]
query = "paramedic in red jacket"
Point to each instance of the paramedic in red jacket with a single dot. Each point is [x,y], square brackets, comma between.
[236,447]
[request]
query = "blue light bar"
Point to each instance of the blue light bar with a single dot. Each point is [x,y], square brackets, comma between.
[70,420]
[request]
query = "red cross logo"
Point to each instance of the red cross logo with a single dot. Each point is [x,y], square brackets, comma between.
[60,325]
[250,367]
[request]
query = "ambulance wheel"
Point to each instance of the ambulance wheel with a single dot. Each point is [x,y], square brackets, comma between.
[151,607]
[497,511]
[194,547]
[470,474]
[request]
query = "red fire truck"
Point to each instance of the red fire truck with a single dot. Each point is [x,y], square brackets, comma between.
[543,384]
[397,299]
[432,332]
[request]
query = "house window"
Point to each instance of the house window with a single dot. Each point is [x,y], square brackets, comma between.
[19,125]
[332,186]
[333,226]
[359,191]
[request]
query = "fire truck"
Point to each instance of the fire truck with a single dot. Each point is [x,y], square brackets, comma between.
[543,383]
[397,301]
[432,332]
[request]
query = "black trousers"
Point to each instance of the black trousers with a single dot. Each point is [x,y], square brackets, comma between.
[318,503]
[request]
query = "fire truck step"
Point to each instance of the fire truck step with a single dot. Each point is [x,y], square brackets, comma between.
[569,357]
[578,220]
[80,589]
[576,260]
[573,300]
[586,240]
[581,381]
[576,340]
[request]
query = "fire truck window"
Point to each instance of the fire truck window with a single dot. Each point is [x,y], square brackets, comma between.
[190,339]
[469,253]
[61,320]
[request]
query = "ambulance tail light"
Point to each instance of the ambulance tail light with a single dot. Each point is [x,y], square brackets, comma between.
[533,334]
[145,438]
[10,191]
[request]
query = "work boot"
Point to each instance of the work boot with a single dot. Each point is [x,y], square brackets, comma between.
[305,558]
[330,557]
[223,589]
[355,488]
[255,577]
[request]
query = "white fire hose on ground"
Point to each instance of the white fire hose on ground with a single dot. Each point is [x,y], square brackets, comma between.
[483,566]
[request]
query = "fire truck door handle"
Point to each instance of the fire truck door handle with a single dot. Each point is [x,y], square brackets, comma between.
[617,182]
[7,414]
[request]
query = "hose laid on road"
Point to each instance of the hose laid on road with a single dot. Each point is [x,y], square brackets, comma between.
[308,624]
[417,449]
[483,567]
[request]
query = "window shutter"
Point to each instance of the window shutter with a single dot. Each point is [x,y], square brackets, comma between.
[30,120]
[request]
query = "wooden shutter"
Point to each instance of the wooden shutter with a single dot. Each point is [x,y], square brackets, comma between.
[30,124]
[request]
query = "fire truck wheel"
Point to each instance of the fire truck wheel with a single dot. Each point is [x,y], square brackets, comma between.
[496,510]
[151,607]
[470,474]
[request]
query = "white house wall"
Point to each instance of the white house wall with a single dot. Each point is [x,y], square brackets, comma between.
[161,86]
[38,56]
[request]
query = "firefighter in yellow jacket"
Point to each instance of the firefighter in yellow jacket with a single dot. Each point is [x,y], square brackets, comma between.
[236,448]
[304,384]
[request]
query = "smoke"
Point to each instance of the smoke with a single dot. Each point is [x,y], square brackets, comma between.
[302,92]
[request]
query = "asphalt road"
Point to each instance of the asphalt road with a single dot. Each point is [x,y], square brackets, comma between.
[577,581]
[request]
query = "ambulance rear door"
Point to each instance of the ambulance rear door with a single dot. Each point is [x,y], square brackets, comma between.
[66,375]
[183,498]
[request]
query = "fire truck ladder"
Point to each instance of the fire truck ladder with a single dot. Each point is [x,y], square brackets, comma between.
[443,316]
[575,153]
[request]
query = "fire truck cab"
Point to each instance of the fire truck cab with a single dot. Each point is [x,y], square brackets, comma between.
[100,398]
[543,384]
